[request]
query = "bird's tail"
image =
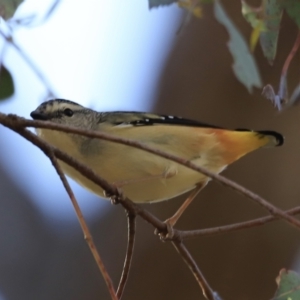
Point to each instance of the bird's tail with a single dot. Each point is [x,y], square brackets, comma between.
[267,138]
[237,143]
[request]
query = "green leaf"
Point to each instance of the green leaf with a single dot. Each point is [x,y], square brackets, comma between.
[288,286]
[157,3]
[192,6]
[269,37]
[8,8]
[251,14]
[292,8]
[6,84]
[265,21]
[244,65]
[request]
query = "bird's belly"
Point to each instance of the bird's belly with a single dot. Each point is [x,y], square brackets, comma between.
[143,177]
[156,190]
[147,188]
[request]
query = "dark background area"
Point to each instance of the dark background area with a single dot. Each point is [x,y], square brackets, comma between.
[198,83]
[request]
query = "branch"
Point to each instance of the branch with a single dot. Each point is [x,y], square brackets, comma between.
[182,234]
[283,89]
[87,235]
[131,237]
[291,55]
[17,123]
[186,256]
[12,121]
[88,173]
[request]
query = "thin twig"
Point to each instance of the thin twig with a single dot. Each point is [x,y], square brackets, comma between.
[87,235]
[31,64]
[282,96]
[188,234]
[283,88]
[291,55]
[186,256]
[17,121]
[30,20]
[131,219]
[144,214]
[51,9]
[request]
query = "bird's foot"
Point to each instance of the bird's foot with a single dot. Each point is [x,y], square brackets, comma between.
[168,234]
[115,198]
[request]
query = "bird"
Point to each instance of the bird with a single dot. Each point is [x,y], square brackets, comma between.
[142,176]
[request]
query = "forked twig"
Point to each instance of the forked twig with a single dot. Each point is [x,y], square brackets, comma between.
[17,124]
[87,235]
[186,256]
[135,209]
[131,219]
[87,172]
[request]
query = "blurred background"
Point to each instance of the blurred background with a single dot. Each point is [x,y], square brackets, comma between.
[111,55]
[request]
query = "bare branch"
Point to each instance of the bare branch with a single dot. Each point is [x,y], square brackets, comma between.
[16,123]
[84,170]
[13,121]
[181,234]
[131,219]
[291,55]
[87,235]
[186,256]
[51,9]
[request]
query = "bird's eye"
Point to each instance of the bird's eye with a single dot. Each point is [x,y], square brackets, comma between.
[68,112]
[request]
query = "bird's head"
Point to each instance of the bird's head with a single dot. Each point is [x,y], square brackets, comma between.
[64,112]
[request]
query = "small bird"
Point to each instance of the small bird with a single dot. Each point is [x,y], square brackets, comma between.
[142,176]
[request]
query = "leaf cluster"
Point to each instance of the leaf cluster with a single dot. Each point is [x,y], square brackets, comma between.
[265,21]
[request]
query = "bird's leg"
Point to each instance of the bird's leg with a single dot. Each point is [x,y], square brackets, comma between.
[173,220]
[170,222]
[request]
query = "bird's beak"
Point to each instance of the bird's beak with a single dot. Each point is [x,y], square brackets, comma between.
[37,115]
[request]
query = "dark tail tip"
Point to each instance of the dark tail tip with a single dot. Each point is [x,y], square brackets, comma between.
[279,138]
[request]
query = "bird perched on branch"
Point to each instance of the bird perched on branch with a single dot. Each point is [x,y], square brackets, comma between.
[145,177]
